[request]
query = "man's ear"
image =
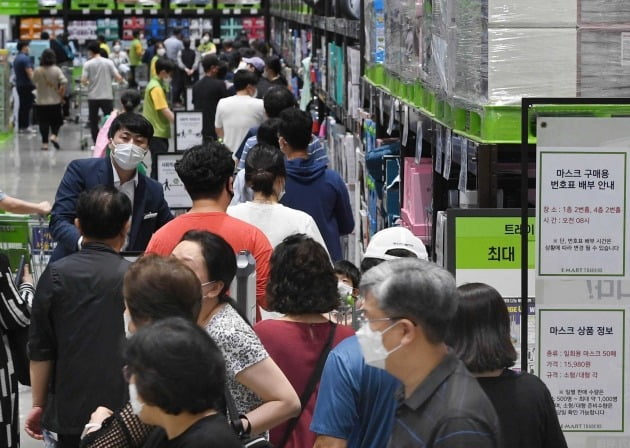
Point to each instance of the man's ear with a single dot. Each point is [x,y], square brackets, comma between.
[126,228]
[411,332]
[77,224]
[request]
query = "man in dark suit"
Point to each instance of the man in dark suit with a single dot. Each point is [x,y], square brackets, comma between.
[129,141]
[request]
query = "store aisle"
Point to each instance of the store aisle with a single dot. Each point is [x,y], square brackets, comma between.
[31,174]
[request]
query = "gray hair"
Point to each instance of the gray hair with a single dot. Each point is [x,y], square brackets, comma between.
[414,289]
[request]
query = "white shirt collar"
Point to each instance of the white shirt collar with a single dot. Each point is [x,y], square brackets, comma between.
[117,178]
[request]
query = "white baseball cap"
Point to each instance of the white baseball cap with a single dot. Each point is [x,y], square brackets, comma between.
[395,238]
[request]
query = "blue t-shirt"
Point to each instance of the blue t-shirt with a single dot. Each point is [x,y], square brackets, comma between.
[20,64]
[355,402]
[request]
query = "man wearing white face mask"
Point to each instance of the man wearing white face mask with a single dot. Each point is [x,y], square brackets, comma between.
[157,110]
[129,135]
[356,402]
[408,307]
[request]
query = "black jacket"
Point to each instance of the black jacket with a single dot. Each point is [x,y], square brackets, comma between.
[77,323]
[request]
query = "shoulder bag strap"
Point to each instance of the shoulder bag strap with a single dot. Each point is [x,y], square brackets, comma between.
[310,386]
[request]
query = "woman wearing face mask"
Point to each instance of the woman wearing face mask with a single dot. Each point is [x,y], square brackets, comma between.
[154,288]
[262,394]
[302,286]
[206,46]
[265,175]
[176,376]
[160,52]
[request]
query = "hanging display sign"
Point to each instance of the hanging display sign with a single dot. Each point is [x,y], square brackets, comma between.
[581,360]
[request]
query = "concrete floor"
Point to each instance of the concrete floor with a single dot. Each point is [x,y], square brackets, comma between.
[31,174]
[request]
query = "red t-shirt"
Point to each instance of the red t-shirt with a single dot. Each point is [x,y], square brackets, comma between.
[296,347]
[239,234]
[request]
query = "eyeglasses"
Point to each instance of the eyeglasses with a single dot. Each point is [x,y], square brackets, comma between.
[362,318]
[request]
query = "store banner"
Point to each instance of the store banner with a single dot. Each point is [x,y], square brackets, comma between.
[582,283]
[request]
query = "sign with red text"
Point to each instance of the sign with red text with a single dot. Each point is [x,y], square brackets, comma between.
[581,212]
[581,360]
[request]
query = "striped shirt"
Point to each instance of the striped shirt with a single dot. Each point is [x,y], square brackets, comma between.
[448,410]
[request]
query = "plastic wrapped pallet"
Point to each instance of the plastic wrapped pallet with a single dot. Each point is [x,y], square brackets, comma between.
[499,66]
[393,38]
[603,12]
[527,14]
[435,27]
[604,62]
[374,31]
[411,36]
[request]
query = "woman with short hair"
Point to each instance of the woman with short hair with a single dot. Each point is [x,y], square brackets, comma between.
[302,286]
[480,336]
[176,376]
[265,174]
[50,89]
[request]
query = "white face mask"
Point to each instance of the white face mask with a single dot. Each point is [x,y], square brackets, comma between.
[344,289]
[371,342]
[161,52]
[128,155]
[116,48]
[255,93]
[136,404]
[205,39]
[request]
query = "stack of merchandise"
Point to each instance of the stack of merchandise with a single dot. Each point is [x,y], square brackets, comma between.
[82,30]
[52,25]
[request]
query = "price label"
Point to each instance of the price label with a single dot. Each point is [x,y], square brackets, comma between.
[448,147]
[226,11]
[254,11]
[177,11]
[53,12]
[463,164]
[392,114]
[85,11]
[380,107]
[154,12]
[127,11]
[138,12]
[199,11]
[108,12]
[237,11]
[405,123]
[419,137]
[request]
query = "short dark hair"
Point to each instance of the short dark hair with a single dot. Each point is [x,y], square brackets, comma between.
[346,268]
[209,61]
[103,212]
[223,70]
[100,38]
[268,132]
[244,78]
[186,43]
[414,289]
[263,165]
[158,287]
[22,43]
[135,33]
[177,31]
[369,262]
[273,63]
[177,367]
[480,330]
[44,35]
[218,255]
[47,58]
[301,278]
[206,170]
[94,47]
[296,128]
[164,64]
[130,99]
[277,99]
[133,122]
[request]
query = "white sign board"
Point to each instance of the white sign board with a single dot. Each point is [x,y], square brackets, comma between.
[581,200]
[174,192]
[581,360]
[188,126]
